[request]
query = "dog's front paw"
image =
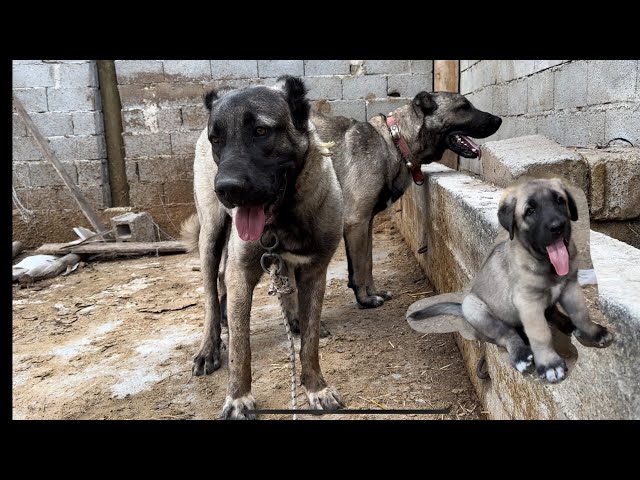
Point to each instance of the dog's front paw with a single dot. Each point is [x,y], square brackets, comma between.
[326,399]
[370,301]
[522,359]
[601,339]
[236,409]
[384,294]
[207,360]
[553,372]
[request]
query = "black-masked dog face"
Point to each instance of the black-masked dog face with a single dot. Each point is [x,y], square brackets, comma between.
[539,213]
[259,139]
[448,120]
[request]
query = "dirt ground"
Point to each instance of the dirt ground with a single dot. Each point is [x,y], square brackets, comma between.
[115,340]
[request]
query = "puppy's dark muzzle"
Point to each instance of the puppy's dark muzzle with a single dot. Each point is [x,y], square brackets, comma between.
[232,192]
[558,227]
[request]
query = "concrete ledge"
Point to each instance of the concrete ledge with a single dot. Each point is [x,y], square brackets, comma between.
[455,217]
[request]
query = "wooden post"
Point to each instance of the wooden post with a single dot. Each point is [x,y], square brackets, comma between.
[446,78]
[43,143]
[111,112]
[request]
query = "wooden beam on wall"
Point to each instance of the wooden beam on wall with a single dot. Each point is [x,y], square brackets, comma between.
[446,78]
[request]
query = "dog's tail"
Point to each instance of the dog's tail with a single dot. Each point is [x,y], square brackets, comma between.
[443,308]
[190,232]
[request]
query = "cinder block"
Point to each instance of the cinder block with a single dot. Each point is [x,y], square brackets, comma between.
[35,75]
[611,81]
[487,73]
[623,122]
[161,94]
[162,169]
[374,67]
[615,182]
[504,161]
[90,172]
[376,107]
[523,68]
[364,86]
[499,101]
[355,109]
[194,117]
[179,191]
[470,80]
[275,68]
[90,147]
[168,119]
[324,88]
[505,71]
[187,70]
[570,85]
[78,74]
[234,68]
[52,124]
[20,174]
[147,145]
[184,143]
[409,85]
[133,121]
[327,67]
[421,66]
[64,148]
[43,174]
[17,126]
[540,92]
[544,64]
[582,128]
[139,71]
[71,99]
[143,195]
[483,98]
[25,148]
[33,99]
[517,94]
[134,227]
[87,123]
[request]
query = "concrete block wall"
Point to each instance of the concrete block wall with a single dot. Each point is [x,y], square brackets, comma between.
[163,112]
[63,99]
[574,102]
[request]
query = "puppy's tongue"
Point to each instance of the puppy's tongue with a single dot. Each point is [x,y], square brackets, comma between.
[472,145]
[250,222]
[559,257]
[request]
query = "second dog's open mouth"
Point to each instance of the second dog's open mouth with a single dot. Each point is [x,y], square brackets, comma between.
[463,145]
[559,256]
[250,221]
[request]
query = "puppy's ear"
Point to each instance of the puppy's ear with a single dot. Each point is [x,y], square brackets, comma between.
[423,103]
[295,93]
[573,209]
[507,213]
[210,97]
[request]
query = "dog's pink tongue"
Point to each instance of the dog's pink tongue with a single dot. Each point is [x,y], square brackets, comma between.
[250,222]
[559,257]
[474,146]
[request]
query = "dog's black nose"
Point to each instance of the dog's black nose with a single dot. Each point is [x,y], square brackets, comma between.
[497,121]
[557,226]
[231,189]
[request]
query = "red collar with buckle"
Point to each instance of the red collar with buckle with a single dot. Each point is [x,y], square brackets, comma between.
[401,144]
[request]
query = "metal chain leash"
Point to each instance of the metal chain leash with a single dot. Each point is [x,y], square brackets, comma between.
[280,286]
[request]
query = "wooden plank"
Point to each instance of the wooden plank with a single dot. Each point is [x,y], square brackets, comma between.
[446,75]
[43,143]
[116,248]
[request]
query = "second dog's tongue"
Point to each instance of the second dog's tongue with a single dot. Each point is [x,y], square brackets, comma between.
[250,222]
[559,257]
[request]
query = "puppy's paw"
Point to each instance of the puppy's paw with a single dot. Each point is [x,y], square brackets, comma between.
[326,399]
[552,372]
[384,294]
[370,301]
[522,359]
[207,360]
[236,409]
[601,339]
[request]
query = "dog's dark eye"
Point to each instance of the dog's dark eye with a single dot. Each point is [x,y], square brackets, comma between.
[260,131]
[560,200]
[465,106]
[214,139]
[529,211]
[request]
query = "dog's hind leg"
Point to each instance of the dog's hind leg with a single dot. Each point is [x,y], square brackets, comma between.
[371,288]
[477,313]
[311,284]
[359,258]
[587,332]
[241,282]
[211,242]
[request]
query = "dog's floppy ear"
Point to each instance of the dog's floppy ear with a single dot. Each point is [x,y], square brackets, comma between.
[573,209]
[295,93]
[507,212]
[210,97]
[423,103]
